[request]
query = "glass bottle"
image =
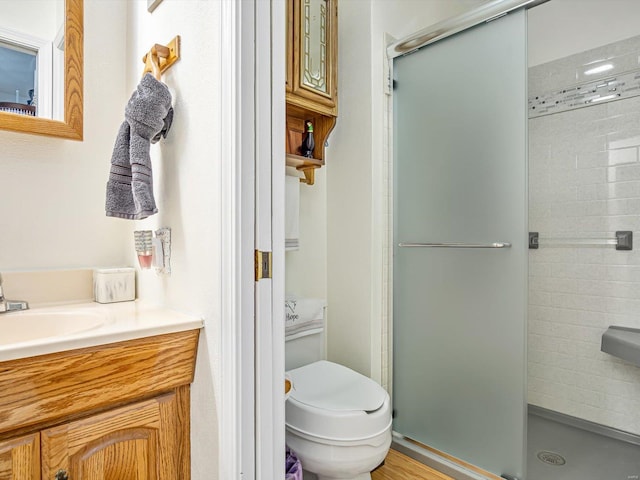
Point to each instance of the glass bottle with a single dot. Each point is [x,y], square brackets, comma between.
[308,143]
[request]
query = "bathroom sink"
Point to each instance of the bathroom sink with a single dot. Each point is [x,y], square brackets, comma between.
[31,326]
[58,328]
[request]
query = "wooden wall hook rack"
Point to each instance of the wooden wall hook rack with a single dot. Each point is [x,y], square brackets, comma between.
[167,54]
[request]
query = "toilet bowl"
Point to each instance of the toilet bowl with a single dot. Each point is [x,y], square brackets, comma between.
[338,422]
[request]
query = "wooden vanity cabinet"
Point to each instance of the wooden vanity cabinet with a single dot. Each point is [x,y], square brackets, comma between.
[20,458]
[115,412]
[143,441]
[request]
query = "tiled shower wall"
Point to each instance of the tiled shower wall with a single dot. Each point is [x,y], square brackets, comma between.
[584,182]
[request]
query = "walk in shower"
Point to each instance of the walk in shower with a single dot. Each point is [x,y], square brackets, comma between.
[584,186]
[516,195]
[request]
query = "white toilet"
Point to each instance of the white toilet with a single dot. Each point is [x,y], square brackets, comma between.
[338,422]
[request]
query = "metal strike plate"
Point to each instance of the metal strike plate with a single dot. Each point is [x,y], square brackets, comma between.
[263,264]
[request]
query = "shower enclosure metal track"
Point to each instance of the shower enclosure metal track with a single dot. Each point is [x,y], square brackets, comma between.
[484,13]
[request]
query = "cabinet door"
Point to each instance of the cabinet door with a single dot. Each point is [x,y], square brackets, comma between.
[20,458]
[290,22]
[315,55]
[144,441]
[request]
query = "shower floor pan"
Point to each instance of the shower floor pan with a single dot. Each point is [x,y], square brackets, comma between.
[563,448]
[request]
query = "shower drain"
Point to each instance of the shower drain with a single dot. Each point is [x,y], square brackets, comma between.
[551,458]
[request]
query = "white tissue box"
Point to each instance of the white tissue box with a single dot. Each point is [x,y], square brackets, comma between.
[114,284]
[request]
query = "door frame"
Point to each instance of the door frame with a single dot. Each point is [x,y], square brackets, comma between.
[251,417]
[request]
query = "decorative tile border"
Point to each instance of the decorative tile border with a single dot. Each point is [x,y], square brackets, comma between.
[615,87]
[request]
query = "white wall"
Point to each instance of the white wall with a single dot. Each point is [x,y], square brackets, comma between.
[306,268]
[38,18]
[560,28]
[52,191]
[187,184]
[349,195]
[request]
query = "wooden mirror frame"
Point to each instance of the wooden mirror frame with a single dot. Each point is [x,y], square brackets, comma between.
[72,126]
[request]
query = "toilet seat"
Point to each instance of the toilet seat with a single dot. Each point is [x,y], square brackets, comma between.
[329,386]
[333,403]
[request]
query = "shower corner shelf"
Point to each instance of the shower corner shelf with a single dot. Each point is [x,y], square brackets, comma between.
[622,342]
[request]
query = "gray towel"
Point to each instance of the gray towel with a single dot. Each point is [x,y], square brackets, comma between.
[148,117]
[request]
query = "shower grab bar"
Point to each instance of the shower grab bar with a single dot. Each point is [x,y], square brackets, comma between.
[457,245]
[623,241]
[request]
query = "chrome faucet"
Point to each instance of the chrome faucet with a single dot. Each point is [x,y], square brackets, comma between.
[10,305]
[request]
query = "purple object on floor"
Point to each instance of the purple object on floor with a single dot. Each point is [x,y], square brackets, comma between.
[293,466]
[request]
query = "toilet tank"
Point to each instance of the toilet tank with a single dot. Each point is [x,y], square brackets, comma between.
[304,331]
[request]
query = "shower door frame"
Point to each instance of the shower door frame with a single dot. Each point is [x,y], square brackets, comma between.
[457,468]
[439,31]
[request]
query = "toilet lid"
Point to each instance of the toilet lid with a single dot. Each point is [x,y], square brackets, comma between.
[330,386]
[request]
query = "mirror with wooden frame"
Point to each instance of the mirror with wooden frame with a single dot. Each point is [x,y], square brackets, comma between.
[54,105]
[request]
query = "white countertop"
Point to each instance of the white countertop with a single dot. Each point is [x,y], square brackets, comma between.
[46,330]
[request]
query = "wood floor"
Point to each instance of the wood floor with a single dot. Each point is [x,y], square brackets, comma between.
[400,467]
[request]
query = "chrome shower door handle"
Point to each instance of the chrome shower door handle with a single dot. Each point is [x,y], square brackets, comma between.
[456,245]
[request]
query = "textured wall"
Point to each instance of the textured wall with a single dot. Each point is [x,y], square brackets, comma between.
[584,182]
[187,186]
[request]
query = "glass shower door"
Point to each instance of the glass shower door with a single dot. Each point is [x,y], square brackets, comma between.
[460,253]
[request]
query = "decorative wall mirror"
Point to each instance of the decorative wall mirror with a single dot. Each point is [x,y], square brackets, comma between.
[41,67]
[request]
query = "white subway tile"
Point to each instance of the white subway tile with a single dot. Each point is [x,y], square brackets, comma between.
[550,284]
[615,403]
[537,269]
[584,182]
[619,173]
[593,159]
[538,313]
[592,319]
[623,131]
[580,302]
[540,298]
[622,156]
[623,305]
[624,206]
[630,189]
[628,106]
[596,207]
[591,255]
[623,273]
[541,328]
[590,176]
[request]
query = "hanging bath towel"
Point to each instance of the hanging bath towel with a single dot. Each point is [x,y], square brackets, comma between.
[148,117]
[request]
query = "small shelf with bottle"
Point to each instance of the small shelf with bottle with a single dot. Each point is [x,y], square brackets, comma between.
[297,119]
